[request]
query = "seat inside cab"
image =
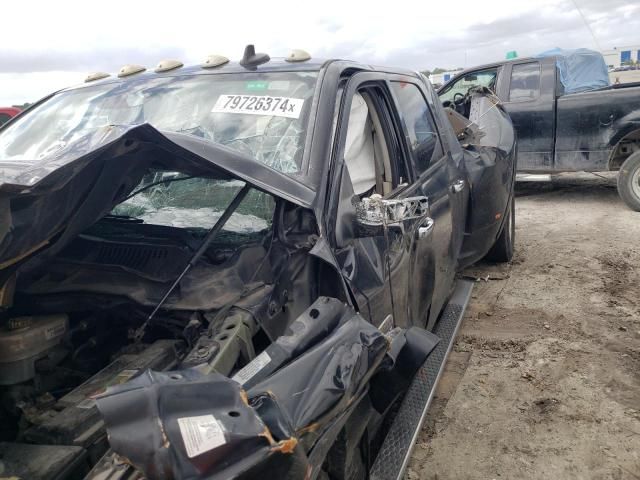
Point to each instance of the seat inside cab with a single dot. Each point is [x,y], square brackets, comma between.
[366,153]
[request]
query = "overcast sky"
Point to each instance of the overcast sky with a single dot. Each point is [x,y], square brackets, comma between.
[53,44]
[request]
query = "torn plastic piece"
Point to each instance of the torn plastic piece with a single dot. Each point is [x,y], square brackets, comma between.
[313,325]
[268,430]
[147,419]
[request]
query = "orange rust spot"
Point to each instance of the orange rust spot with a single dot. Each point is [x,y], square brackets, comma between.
[286,446]
[244,397]
[498,216]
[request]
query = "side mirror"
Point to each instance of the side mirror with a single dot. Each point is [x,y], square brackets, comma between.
[374,214]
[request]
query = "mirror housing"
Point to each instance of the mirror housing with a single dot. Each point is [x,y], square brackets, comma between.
[374,214]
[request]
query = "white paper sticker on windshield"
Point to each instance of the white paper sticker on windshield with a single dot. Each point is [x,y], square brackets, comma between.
[259,105]
[201,434]
[250,369]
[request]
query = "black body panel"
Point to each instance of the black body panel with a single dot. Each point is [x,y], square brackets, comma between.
[560,132]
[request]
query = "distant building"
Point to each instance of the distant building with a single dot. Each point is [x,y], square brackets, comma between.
[620,56]
[444,77]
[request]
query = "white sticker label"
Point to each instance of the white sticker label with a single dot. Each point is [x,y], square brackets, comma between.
[201,434]
[252,368]
[259,105]
[54,330]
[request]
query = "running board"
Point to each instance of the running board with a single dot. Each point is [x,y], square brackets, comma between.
[394,455]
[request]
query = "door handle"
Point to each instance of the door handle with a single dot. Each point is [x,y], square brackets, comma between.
[425,229]
[457,186]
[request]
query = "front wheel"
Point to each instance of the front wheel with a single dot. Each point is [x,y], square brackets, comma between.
[629,182]
[502,250]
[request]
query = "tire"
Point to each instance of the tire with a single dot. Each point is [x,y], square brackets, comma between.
[502,250]
[629,182]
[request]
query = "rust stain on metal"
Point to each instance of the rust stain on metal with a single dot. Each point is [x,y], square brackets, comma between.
[286,446]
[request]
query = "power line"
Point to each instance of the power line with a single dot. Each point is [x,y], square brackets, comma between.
[586,23]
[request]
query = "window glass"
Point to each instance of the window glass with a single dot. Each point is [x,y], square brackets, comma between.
[4,118]
[263,115]
[422,135]
[525,82]
[486,78]
[178,200]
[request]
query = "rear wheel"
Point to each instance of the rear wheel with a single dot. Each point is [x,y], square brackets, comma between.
[502,250]
[629,182]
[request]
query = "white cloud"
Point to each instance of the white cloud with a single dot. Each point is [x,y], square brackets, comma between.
[61,41]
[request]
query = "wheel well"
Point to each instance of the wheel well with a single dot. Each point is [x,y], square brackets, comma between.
[629,144]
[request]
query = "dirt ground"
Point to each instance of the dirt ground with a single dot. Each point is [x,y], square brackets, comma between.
[544,380]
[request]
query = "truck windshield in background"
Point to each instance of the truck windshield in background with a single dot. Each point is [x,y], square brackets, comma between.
[485,78]
[263,115]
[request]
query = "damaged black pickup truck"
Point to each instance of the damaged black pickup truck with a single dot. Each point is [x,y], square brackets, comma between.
[238,270]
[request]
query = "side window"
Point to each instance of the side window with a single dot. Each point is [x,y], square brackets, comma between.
[4,118]
[525,82]
[368,149]
[485,78]
[421,131]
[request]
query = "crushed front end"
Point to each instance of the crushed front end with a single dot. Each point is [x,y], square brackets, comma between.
[167,311]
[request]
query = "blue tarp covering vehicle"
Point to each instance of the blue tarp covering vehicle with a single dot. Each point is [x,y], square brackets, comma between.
[580,69]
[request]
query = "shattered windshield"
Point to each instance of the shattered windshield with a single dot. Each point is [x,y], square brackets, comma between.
[178,200]
[263,115]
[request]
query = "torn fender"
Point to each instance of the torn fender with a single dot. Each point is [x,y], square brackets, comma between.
[187,425]
[53,199]
[184,424]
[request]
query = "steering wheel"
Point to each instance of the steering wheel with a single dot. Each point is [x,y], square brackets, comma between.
[458,98]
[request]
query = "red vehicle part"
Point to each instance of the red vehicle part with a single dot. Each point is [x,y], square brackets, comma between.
[7,113]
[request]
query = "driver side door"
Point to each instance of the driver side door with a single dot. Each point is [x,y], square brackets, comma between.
[370,163]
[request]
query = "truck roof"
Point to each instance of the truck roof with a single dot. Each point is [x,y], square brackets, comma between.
[495,64]
[278,64]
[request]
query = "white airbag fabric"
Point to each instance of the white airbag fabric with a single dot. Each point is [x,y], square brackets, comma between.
[359,152]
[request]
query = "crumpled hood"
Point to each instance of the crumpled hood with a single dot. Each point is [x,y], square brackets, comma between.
[50,200]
